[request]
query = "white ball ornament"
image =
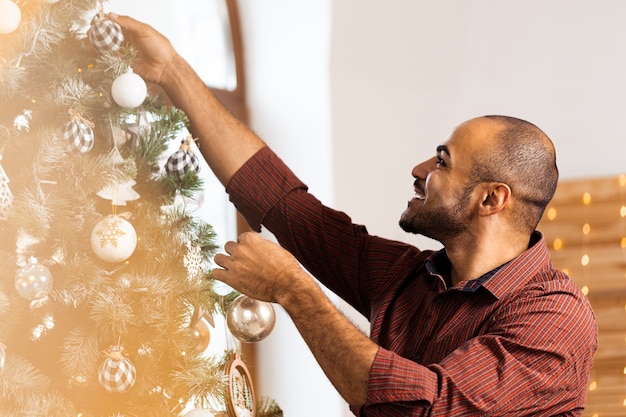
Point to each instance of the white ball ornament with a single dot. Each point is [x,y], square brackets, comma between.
[113,239]
[250,320]
[33,281]
[10,16]
[199,413]
[129,90]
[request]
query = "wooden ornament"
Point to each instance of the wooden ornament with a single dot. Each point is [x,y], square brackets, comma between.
[240,399]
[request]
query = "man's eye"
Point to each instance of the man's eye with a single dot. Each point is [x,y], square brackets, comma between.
[440,162]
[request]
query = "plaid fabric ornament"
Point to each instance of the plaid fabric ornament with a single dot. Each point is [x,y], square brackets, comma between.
[79,134]
[117,373]
[182,160]
[105,35]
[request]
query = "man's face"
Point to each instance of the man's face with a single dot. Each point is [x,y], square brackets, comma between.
[443,206]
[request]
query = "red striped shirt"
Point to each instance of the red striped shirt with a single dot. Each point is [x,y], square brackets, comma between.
[518,341]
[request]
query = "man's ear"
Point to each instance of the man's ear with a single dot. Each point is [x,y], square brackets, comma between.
[495,197]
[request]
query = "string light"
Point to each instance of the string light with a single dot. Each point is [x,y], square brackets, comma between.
[602,227]
[584,261]
[551,213]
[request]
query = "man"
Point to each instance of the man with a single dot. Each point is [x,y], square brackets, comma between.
[485,326]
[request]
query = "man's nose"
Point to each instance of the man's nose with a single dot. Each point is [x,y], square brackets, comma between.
[422,170]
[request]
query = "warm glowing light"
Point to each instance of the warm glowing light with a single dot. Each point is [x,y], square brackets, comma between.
[566,271]
[622,211]
[584,261]
[586,199]
[551,213]
[586,229]
[622,243]
[90,66]
[593,385]
[79,70]
[585,290]
[557,244]
[622,180]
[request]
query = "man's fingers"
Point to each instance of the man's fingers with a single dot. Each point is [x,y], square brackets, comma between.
[230,246]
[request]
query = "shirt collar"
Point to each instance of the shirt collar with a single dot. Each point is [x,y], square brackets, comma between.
[503,279]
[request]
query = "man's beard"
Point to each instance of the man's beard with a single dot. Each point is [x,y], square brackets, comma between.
[441,223]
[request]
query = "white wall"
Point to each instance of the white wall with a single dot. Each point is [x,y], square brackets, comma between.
[402,74]
[405,73]
[287,52]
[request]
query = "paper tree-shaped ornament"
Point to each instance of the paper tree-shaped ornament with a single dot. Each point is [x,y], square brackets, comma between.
[119,194]
[6,197]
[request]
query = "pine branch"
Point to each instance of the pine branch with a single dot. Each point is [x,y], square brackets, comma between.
[267,407]
[20,380]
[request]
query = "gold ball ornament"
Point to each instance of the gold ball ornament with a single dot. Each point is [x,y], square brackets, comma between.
[33,281]
[250,320]
[113,239]
[201,334]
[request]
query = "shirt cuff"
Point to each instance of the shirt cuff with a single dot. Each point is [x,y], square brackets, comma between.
[399,382]
[260,184]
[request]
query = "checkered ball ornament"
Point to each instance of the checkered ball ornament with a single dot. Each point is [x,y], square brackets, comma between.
[182,161]
[79,136]
[105,35]
[117,373]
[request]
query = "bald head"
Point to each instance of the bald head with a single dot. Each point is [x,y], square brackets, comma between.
[522,156]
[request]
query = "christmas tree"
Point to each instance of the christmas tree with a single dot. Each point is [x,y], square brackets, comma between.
[106,296]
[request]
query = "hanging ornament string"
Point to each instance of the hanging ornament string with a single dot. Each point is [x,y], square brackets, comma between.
[76,116]
[231,342]
[115,188]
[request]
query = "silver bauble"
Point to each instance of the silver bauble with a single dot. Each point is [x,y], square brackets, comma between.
[250,320]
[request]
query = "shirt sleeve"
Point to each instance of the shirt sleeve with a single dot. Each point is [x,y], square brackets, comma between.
[326,241]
